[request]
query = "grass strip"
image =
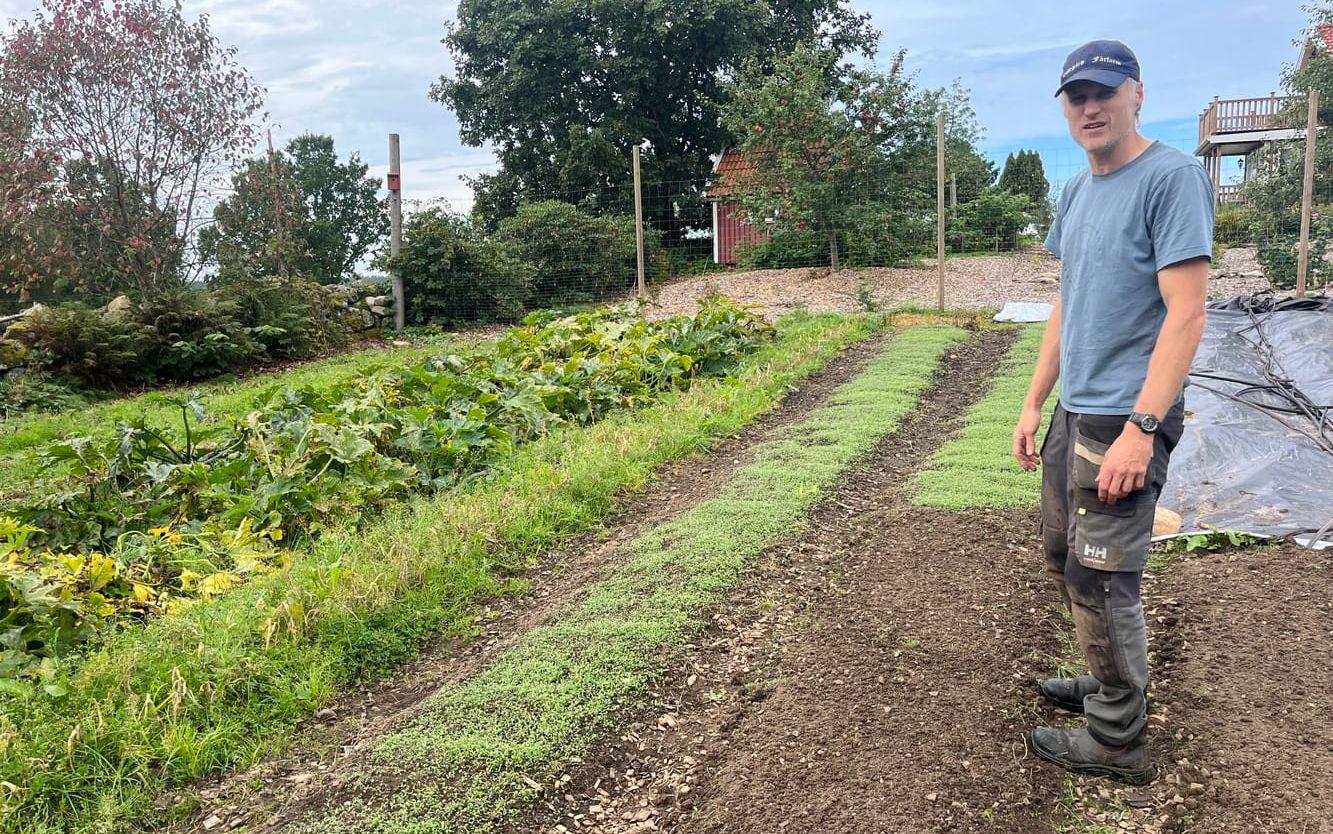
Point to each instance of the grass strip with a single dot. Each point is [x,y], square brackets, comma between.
[21,437]
[222,682]
[977,468]
[481,749]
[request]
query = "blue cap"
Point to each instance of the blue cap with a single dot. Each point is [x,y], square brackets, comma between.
[1107,63]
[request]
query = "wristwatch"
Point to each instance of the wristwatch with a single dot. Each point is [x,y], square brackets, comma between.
[1147,423]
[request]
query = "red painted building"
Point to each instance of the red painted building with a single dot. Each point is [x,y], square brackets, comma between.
[728,228]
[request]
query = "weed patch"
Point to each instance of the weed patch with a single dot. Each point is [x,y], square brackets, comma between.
[977,468]
[482,748]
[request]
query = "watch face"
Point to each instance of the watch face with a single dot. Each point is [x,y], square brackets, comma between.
[1148,423]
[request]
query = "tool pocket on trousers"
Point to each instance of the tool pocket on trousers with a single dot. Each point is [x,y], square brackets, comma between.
[1106,536]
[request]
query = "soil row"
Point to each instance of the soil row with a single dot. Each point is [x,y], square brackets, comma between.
[275,789]
[876,672]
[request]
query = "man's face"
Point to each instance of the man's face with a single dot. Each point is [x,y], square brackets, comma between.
[1101,117]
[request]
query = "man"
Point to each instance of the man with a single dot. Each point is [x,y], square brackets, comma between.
[1134,237]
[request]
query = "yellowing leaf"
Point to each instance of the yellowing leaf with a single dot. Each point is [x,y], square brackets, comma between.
[216,583]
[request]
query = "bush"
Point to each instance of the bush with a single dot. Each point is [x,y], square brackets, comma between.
[877,235]
[783,249]
[575,256]
[1278,249]
[990,222]
[77,341]
[453,273]
[873,235]
[198,335]
[292,318]
[1232,225]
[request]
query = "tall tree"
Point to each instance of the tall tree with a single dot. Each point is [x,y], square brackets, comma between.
[150,99]
[344,216]
[1024,174]
[298,210]
[256,232]
[822,138]
[34,257]
[563,91]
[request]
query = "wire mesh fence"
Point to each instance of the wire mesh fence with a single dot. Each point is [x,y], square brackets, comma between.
[571,246]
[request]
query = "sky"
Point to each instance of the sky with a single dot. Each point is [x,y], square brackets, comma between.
[358,70]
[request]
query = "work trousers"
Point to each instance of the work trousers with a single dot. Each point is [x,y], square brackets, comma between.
[1108,544]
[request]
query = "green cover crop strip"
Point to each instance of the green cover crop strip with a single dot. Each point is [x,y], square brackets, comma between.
[219,683]
[480,749]
[977,468]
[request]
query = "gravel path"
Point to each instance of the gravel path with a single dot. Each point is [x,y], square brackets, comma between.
[979,282]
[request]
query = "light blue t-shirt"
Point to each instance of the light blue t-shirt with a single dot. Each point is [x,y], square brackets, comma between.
[1112,233]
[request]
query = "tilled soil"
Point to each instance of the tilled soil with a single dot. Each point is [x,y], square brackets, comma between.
[269,790]
[875,675]
[1245,679]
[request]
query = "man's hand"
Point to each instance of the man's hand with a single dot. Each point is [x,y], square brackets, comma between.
[1025,439]
[1125,467]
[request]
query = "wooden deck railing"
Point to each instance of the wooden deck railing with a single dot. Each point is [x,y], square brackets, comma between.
[1230,194]
[1236,115]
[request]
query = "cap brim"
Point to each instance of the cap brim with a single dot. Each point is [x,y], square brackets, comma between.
[1106,78]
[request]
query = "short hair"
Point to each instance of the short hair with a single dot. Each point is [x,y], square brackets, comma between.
[1131,86]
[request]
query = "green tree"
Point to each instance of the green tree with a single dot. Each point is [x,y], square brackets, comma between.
[344,217]
[826,139]
[256,232]
[1024,174]
[297,211]
[563,91]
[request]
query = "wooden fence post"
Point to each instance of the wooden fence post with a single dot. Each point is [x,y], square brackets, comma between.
[396,232]
[939,203]
[1307,194]
[640,283]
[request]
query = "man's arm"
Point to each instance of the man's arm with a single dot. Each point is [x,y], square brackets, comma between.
[1184,287]
[1043,381]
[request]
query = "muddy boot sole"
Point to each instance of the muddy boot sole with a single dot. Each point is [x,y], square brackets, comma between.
[1122,775]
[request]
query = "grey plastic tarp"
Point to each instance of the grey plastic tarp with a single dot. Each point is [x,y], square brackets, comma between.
[1257,451]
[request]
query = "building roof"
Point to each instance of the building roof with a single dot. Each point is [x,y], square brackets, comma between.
[730,168]
[1321,37]
[1324,32]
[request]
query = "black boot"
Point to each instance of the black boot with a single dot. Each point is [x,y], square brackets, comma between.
[1068,693]
[1079,752]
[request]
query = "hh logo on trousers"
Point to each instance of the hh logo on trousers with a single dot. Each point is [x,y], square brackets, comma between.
[1096,554]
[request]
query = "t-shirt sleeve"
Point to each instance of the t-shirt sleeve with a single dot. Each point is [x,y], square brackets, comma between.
[1053,236]
[1180,216]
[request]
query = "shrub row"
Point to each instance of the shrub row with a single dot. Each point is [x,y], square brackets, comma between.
[183,336]
[155,519]
[549,253]
[877,234]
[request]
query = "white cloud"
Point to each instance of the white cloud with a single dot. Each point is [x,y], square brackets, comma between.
[439,177]
[257,19]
